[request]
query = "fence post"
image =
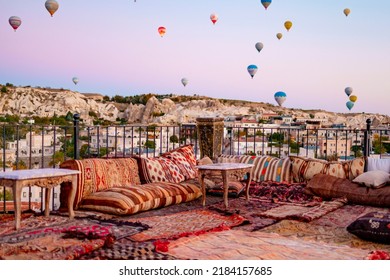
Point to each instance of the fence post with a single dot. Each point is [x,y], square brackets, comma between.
[76,151]
[367,133]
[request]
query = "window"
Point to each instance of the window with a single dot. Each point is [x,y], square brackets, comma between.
[24,194]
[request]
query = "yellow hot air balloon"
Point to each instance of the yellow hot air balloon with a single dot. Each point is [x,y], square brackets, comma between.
[51,6]
[353,98]
[279,36]
[288,25]
[346,12]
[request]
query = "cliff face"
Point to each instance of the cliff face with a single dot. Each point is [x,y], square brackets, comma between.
[27,101]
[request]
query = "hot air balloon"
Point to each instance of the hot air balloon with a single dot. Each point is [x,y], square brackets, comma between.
[162,30]
[346,12]
[350,105]
[280,97]
[214,18]
[348,91]
[266,3]
[353,98]
[259,46]
[51,6]
[279,36]
[252,69]
[288,25]
[75,80]
[15,22]
[184,81]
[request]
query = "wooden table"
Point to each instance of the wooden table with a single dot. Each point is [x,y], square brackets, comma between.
[228,170]
[46,178]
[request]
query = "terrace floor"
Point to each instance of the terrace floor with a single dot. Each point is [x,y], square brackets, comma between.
[250,230]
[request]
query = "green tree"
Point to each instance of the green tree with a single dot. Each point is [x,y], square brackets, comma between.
[150,144]
[174,139]
[4,89]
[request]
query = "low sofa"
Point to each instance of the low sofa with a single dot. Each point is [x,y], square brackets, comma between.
[124,186]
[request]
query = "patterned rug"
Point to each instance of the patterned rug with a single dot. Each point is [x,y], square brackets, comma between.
[59,238]
[185,223]
[250,210]
[337,236]
[124,250]
[258,245]
[304,213]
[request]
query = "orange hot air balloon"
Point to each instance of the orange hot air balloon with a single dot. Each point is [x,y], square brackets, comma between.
[162,30]
[288,25]
[279,36]
[51,6]
[346,12]
[214,18]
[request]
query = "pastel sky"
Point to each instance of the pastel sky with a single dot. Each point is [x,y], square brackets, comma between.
[113,47]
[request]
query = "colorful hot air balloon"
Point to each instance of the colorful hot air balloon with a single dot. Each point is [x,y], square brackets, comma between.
[162,30]
[252,69]
[350,105]
[75,80]
[184,81]
[353,98]
[15,22]
[348,91]
[288,25]
[214,18]
[259,46]
[279,35]
[51,6]
[346,12]
[280,97]
[266,3]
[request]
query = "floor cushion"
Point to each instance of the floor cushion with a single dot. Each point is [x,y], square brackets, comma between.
[130,200]
[328,187]
[378,164]
[374,226]
[235,188]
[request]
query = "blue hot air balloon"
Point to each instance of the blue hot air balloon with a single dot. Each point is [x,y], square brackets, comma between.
[350,105]
[252,69]
[266,3]
[280,97]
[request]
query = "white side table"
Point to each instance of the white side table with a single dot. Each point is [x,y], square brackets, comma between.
[227,170]
[46,178]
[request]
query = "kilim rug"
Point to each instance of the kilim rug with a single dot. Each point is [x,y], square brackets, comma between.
[249,210]
[258,245]
[124,250]
[59,238]
[304,213]
[185,223]
[322,235]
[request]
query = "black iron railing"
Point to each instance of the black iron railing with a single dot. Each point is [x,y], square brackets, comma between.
[27,146]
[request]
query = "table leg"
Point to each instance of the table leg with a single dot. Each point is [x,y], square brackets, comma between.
[225,187]
[248,183]
[203,187]
[47,201]
[72,196]
[17,194]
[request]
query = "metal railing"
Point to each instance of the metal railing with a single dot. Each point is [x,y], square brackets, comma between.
[27,146]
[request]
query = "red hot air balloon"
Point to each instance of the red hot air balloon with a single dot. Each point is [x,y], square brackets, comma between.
[214,18]
[162,30]
[15,22]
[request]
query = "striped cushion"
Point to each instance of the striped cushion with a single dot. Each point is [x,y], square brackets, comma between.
[125,201]
[99,174]
[268,168]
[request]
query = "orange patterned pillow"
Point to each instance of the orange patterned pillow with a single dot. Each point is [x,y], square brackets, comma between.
[303,169]
[184,158]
